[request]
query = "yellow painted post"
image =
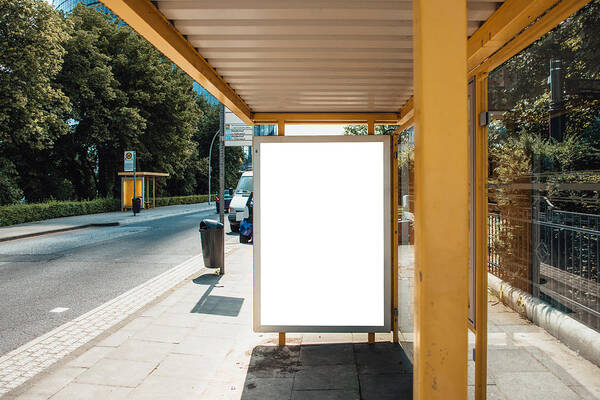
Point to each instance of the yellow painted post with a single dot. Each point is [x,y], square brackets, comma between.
[441,199]
[371,131]
[481,250]
[153,192]
[394,247]
[122,193]
[280,132]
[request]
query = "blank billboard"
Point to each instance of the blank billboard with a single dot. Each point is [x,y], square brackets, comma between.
[322,234]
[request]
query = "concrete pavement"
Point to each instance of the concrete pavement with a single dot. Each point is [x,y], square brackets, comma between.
[104,219]
[198,343]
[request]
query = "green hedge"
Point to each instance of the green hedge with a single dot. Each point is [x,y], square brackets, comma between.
[22,213]
[171,201]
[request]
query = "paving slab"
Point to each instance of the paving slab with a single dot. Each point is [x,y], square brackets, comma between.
[162,333]
[268,388]
[332,354]
[385,387]
[533,385]
[327,377]
[111,372]
[85,391]
[167,388]
[90,357]
[140,350]
[326,395]
[501,360]
[185,366]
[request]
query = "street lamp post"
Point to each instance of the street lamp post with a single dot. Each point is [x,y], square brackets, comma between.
[209,163]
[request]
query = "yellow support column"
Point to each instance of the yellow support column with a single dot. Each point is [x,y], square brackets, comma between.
[371,131]
[441,199]
[481,245]
[394,235]
[280,132]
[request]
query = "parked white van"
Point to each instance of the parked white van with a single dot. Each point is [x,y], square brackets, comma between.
[239,201]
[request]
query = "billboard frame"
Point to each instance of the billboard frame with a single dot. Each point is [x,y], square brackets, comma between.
[387,250]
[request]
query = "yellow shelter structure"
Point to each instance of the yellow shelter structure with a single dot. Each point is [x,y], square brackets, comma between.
[142,188]
[423,63]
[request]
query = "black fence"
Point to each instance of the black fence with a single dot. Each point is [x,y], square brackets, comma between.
[554,256]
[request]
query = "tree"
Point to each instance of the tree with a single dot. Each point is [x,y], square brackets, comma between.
[32,106]
[31,51]
[362,129]
[125,95]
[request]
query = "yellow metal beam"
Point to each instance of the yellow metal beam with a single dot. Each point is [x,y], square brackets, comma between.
[321,118]
[410,122]
[151,24]
[543,25]
[407,112]
[481,249]
[442,184]
[394,237]
[502,26]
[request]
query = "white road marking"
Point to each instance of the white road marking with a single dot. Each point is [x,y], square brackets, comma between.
[59,309]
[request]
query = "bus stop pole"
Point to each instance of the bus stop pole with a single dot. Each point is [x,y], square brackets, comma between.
[222,179]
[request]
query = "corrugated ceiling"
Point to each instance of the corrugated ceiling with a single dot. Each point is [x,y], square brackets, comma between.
[310,55]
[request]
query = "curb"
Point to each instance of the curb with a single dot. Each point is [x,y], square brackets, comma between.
[70,228]
[96,225]
[585,341]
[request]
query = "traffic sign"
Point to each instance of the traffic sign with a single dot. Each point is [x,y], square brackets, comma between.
[129,161]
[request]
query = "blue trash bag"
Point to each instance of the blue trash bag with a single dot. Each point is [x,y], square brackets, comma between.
[246,228]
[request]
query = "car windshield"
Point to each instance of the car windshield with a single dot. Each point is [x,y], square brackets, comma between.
[244,185]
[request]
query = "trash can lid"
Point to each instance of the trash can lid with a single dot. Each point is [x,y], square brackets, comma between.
[208,224]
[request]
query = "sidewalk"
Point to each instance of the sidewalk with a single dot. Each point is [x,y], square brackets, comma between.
[104,219]
[198,343]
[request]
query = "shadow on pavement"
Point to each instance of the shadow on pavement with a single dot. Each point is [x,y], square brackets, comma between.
[348,371]
[216,305]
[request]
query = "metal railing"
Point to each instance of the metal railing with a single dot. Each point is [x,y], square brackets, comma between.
[555,256]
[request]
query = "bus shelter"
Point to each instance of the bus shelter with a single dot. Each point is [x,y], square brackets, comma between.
[143,182]
[421,63]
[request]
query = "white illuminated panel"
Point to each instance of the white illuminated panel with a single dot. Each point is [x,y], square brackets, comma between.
[321,252]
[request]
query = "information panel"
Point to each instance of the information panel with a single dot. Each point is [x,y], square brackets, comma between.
[237,133]
[322,234]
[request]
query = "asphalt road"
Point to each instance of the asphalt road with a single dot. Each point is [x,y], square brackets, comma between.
[80,270]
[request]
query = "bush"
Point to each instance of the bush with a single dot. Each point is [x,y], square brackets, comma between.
[22,213]
[171,201]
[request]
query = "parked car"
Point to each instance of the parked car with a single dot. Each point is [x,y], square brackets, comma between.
[238,204]
[246,228]
[228,195]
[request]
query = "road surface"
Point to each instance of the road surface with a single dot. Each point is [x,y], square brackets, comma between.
[80,270]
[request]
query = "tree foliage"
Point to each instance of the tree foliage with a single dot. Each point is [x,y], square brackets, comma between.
[362,129]
[521,148]
[78,90]
[31,51]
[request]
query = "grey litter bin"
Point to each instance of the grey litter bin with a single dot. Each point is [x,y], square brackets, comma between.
[136,205]
[211,236]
